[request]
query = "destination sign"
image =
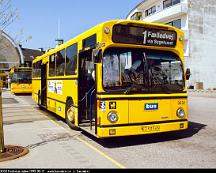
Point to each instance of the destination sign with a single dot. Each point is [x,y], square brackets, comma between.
[144,36]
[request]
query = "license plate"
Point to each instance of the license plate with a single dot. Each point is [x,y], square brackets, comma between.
[154,128]
[23,86]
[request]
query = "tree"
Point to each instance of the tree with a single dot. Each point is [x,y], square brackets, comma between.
[7,14]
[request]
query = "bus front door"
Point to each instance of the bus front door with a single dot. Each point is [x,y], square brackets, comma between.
[87,95]
[44,85]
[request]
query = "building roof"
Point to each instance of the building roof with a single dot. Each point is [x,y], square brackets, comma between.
[30,54]
[10,54]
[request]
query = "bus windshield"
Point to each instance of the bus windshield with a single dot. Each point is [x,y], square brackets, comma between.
[142,71]
[21,78]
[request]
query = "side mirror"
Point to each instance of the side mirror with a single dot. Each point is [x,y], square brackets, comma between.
[188,74]
[97,55]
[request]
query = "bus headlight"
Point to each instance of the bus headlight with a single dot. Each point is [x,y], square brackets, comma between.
[180,113]
[113,117]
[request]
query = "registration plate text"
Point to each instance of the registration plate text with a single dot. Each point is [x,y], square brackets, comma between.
[150,128]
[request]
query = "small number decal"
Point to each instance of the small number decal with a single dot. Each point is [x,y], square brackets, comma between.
[181,102]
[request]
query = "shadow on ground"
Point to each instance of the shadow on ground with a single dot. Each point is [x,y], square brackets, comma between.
[118,142]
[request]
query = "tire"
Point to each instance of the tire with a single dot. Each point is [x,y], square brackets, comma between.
[70,115]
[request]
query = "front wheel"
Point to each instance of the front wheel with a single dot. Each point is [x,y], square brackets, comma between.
[70,115]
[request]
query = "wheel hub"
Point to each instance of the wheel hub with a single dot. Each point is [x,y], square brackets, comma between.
[71,114]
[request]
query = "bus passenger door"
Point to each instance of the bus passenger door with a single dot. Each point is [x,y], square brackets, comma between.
[44,85]
[86,90]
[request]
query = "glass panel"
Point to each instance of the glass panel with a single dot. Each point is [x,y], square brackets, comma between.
[52,65]
[90,41]
[177,23]
[21,78]
[149,11]
[167,3]
[38,70]
[174,2]
[60,63]
[71,60]
[146,13]
[111,70]
[139,70]
[153,9]
[33,70]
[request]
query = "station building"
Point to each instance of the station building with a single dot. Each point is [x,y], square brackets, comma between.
[29,55]
[197,18]
[12,54]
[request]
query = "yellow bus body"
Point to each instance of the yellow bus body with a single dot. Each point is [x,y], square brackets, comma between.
[133,118]
[21,87]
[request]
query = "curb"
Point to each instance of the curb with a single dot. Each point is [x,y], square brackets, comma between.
[202,91]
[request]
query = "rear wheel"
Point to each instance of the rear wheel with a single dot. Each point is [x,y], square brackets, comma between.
[70,115]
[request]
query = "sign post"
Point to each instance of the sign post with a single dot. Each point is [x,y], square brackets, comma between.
[2,148]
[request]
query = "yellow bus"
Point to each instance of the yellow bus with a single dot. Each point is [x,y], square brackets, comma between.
[21,80]
[119,78]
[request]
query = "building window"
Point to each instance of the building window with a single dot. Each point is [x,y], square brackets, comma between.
[169,3]
[136,16]
[71,60]
[60,63]
[175,23]
[174,2]
[150,11]
[52,65]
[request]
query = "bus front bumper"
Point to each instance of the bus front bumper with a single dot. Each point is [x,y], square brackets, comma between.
[20,91]
[129,130]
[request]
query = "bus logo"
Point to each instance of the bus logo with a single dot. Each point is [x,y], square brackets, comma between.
[151,106]
[112,105]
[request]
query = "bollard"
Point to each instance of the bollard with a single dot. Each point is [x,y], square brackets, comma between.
[2,148]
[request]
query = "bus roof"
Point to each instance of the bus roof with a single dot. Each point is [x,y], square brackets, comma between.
[99,27]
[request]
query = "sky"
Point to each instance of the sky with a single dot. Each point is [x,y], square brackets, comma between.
[37,25]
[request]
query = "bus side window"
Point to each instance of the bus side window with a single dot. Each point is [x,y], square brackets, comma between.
[71,60]
[33,70]
[52,65]
[60,63]
[39,68]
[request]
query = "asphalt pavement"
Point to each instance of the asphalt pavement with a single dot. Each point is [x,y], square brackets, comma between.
[53,145]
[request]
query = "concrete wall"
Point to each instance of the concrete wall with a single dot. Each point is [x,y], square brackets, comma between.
[202,53]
